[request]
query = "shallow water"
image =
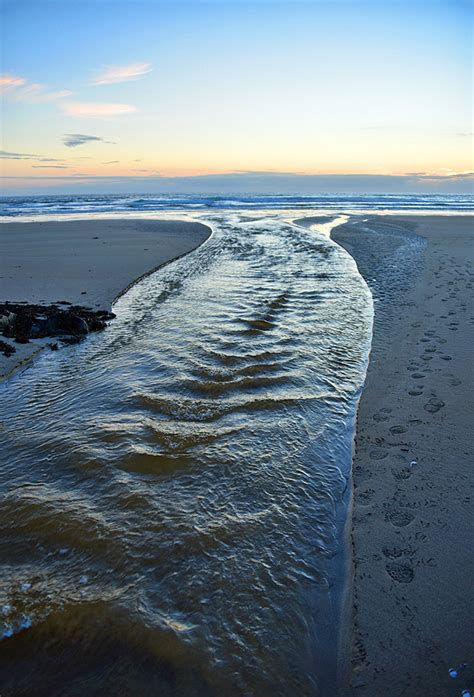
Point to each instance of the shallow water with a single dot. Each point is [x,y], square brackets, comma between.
[174,490]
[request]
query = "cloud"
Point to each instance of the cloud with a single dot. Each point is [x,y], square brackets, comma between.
[19,89]
[72,140]
[50,166]
[7,155]
[111,162]
[111,74]
[38,94]
[97,110]
[10,81]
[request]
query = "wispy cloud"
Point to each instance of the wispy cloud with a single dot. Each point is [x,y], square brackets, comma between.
[72,140]
[38,94]
[110,162]
[19,89]
[97,110]
[111,74]
[8,82]
[50,166]
[7,155]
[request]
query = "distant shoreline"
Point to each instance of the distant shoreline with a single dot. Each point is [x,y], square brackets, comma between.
[87,263]
[411,465]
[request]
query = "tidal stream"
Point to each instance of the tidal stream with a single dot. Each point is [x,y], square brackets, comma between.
[175,490]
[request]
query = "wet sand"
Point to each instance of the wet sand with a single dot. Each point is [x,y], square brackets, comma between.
[86,263]
[412,519]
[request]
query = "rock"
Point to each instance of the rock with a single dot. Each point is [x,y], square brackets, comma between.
[7,349]
[66,323]
[22,322]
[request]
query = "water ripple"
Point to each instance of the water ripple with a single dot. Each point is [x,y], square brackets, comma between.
[174,489]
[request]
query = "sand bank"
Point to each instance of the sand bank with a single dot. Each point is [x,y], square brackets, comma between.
[86,263]
[412,521]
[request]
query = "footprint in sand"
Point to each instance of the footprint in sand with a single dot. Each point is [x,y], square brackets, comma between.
[403,473]
[394,552]
[446,358]
[434,405]
[380,417]
[401,573]
[365,496]
[418,376]
[398,429]
[378,454]
[399,519]
[415,393]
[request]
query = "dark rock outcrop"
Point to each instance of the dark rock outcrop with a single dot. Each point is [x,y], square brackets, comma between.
[22,321]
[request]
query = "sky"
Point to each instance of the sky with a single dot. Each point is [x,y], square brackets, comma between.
[319,95]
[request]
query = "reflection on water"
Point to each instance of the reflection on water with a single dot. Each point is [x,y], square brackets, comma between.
[174,489]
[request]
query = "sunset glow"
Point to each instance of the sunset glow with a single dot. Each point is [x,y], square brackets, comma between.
[234,87]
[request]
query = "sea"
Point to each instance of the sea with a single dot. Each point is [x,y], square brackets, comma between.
[176,490]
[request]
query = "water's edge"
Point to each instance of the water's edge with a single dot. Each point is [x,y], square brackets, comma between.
[41,345]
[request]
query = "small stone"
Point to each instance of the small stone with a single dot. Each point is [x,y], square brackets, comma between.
[453,673]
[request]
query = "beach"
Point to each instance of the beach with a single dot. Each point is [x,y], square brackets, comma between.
[212,451]
[85,263]
[412,518]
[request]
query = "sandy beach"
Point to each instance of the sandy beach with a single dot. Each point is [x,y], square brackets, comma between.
[413,569]
[87,263]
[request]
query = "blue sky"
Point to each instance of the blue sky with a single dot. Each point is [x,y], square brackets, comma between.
[190,89]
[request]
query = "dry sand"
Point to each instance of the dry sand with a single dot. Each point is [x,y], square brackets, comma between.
[87,263]
[413,524]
